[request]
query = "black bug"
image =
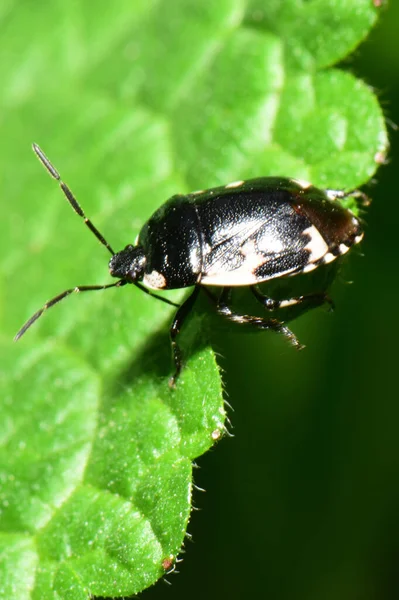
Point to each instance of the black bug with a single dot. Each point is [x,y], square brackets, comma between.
[242,234]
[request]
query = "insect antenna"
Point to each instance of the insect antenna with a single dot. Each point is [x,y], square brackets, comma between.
[69,195]
[56,299]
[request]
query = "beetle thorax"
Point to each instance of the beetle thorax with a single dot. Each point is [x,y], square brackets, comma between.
[128,264]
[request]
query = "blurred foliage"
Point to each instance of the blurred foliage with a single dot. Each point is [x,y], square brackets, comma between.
[302,502]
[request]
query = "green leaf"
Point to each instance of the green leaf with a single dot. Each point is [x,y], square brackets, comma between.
[134,104]
[316,33]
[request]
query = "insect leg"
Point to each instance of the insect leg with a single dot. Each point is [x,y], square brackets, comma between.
[225,311]
[150,293]
[363,199]
[312,300]
[178,321]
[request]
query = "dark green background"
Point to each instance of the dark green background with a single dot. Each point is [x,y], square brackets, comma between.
[302,503]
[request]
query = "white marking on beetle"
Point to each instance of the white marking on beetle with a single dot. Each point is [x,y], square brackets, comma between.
[243,275]
[359,238]
[334,194]
[196,192]
[309,267]
[249,249]
[234,184]
[253,258]
[271,244]
[290,302]
[343,248]
[194,258]
[329,257]
[317,247]
[154,280]
[303,183]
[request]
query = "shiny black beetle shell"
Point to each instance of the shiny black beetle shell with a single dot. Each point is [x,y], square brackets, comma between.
[238,235]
